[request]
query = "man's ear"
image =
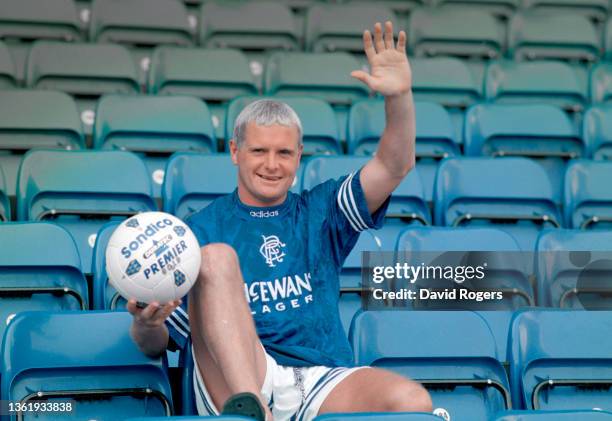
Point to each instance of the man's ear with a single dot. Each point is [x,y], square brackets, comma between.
[233,146]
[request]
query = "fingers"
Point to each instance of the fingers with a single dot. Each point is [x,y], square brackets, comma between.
[401,42]
[378,38]
[362,76]
[389,35]
[368,47]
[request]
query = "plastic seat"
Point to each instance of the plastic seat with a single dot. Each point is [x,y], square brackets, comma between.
[86,357]
[407,200]
[339,27]
[141,23]
[8,76]
[553,415]
[154,127]
[560,359]
[595,10]
[549,82]
[451,353]
[608,39]
[194,180]
[597,132]
[216,76]
[320,133]
[40,270]
[506,268]
[5,206]
[601,83]
[573,268]
[81,191]
[587,198]
[27,20]
[454,32]
[85,71]
[502,9]
[247,25]
[35,119]
[194,418]
[513,194]
[105,297]
[562,36]
[381,416]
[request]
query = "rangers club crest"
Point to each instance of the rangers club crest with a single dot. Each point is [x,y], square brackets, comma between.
[271,249]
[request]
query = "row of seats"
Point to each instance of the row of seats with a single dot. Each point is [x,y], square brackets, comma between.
[558,360]
[82,189]
[260,25]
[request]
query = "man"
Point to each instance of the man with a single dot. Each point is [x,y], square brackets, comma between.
[285,343]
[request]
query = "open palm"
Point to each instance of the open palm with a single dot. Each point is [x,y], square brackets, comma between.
[390,72]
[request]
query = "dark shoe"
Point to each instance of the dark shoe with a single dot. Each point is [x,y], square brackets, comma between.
[245,404]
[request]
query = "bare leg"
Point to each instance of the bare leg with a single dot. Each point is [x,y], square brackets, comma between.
[376,390]
[226,346]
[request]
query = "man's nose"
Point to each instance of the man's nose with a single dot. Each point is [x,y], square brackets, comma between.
[271,161]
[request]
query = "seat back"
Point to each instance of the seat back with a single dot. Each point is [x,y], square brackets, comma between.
[595,10]
[5,205]
[600,83]
[587,200]
[26,20]
[561,359]
[453,354]
[597,132]
[566,415]
[86,357]
[8,75]
[501,9]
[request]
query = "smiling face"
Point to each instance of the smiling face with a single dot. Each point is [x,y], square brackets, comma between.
[267,162]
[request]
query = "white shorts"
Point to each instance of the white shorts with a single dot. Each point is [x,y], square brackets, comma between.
[281,390]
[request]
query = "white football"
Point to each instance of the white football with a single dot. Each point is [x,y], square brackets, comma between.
[152,256]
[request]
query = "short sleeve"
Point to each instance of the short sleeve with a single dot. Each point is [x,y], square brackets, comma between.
[178,326]
[352,203]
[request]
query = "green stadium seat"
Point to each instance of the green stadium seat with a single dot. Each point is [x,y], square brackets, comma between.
[154,127]
[339,27]
[8,75]
[608,40]
[400,7]
[545,81]
[595,10]
[540,35]
[214,75]
[35,119]
[319,127]
[502,9]
[85,71]
[455,32]
[600,81]
[248,25]
[81,191]
[597,132]
[28,20]
[144,23]
[321,75]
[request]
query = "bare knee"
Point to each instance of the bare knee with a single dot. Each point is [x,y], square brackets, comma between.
[218,260]
[408,396]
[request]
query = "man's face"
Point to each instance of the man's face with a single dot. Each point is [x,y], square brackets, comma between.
[267,162]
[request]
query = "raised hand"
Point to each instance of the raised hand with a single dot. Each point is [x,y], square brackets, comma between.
[390,72]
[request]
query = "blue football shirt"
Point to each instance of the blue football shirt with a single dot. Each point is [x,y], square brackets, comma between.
[290,257]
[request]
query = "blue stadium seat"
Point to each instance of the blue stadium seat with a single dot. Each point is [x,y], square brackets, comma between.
[105,297]
[539,131]
[321,75]
[5,206]
[380,416]
[608,39]
[600,81]
[40,270]
[587,198]
[407,201]
[452,353]
[595,10]
[339,27]
[502,9]
[435,135]
[515,195]
[569,415]
[8,75]
[216,76]
[35,119]
[194,180]
[507,268]
[81,191]
[87,357]
[560,359]
[154,127]
[597,132]
[573,269]
[320,133]
[455,32]
[547,35]
[188,404]
[194,418]
[544,81]
[85,71]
